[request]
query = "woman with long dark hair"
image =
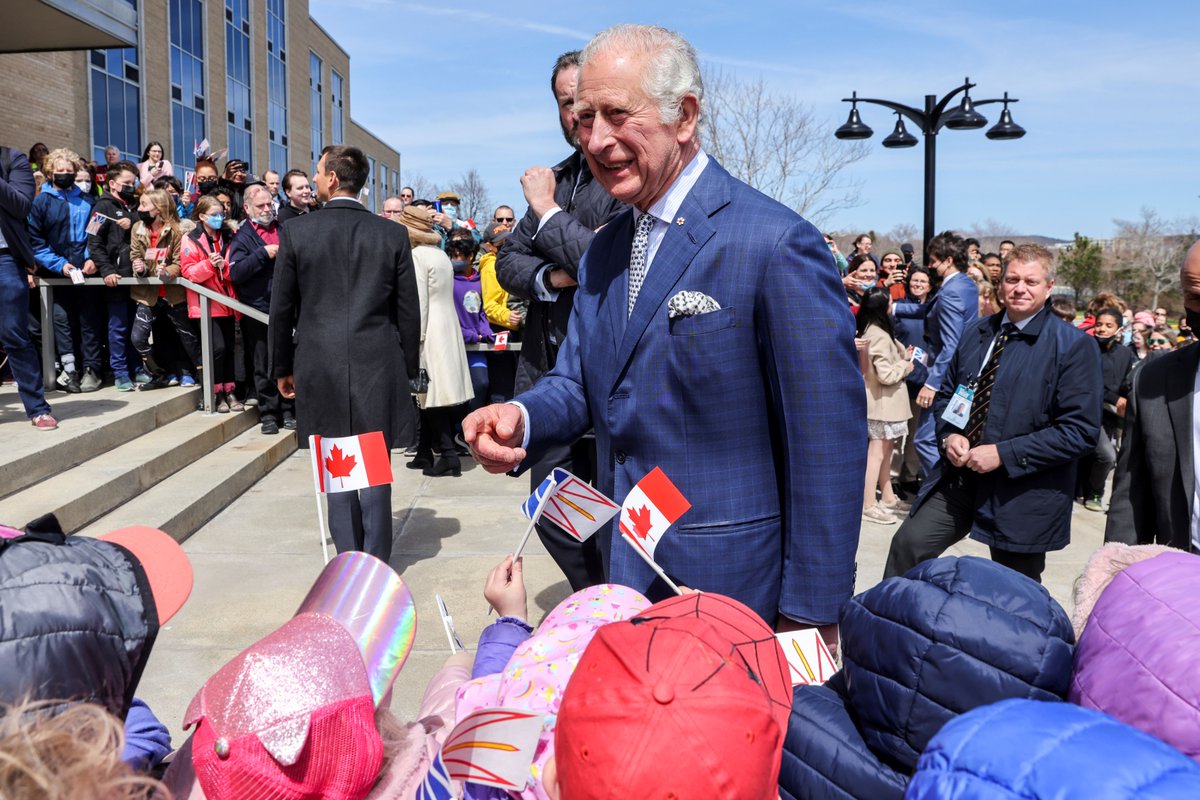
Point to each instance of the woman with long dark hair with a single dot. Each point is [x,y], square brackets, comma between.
[888,411]
[154,164]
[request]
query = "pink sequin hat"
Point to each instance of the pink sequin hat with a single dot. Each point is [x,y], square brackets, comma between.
[293,716]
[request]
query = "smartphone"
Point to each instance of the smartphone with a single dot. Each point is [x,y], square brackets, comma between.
[437,206]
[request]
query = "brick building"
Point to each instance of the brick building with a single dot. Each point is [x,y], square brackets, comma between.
[260,77]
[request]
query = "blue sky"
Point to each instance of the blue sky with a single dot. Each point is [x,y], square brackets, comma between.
[1109,94]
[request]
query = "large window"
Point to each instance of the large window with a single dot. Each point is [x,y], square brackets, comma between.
[237,80]
[371,188]
[338,128]
[187,79]
[116,102]
[277,129]
[315,108]
[383,184]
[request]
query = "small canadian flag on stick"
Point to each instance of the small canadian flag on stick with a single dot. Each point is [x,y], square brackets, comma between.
[346,463]
[650,508]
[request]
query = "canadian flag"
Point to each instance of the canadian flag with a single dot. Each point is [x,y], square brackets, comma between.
[650,508]
[346,463]
[501,342]
[808,658]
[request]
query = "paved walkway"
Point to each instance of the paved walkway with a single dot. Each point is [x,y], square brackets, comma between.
[254,562]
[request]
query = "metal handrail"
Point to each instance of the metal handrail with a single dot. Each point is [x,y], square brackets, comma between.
[207,296]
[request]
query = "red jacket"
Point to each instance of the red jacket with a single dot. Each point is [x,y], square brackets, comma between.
[198,269]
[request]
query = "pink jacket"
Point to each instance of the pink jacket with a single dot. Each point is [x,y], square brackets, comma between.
[198,269]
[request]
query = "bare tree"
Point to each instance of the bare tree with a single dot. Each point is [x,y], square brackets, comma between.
[776,144]
[476,200]
[423,188]
[1147,248]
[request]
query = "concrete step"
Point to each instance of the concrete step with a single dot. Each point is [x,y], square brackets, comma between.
[182,503]
[89,425]
[97,486]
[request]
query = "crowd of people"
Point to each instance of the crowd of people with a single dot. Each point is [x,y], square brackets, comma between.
[120,219]
[964,396]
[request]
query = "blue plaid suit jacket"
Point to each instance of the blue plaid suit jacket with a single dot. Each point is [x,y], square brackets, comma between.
[755,411]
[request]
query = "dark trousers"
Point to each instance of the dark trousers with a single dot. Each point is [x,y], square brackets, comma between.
[943,519]
[502,376]
[362,520]
[580,562]
[143,324]
[437,431]
[270,402]
[23,357]
[122,357]
[222,347]
[79,314]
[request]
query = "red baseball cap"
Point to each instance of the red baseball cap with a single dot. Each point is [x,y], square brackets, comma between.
[667,707]
[164,563]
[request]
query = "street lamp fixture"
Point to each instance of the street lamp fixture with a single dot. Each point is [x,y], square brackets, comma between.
[930,120]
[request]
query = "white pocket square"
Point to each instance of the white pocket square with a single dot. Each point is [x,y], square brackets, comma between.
[691,304]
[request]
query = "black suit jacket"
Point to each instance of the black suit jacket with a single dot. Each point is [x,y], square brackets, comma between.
[561,243]
[16,199]
[1154,481]
[344,281]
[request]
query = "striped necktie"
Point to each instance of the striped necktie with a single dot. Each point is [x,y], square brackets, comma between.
[637,259]
[983,391]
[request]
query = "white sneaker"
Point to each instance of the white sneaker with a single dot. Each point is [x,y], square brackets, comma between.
[879,515]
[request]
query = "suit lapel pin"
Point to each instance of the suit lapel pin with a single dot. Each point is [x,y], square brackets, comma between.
[679,221]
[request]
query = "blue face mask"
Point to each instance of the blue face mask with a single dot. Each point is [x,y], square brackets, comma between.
[216,221]
[450,211]
[460,266]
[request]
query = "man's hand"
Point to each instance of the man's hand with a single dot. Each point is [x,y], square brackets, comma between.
[561,279]
[1122,402]
[505,588]
[89,267]
[538,185]
[287,386]
[984,458]
[125,222]
[494,434]
[444,220]
[925,397]
[958,448]
[111,280]
[271,249]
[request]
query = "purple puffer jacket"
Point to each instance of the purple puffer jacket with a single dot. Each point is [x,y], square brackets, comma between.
[1138,655]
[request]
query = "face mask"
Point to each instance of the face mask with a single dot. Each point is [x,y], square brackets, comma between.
[216,221]
[126,193]
[146,217]
[450,211]
[460,266]
[865,286]
[206,185]
[1104,341]
[1193,319]
[265,218]
[84,186]
[63,180]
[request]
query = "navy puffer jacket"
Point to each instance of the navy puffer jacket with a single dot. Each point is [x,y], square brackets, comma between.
[949,636]
[1024,750]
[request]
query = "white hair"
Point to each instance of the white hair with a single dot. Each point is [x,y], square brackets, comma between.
[672,70]
[252,190]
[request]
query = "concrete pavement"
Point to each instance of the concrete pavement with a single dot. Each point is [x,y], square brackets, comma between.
[255,561]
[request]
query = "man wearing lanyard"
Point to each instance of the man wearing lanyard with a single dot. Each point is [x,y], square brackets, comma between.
[1019,405]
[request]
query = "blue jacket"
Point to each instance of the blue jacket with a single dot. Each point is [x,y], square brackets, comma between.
[1044,415]
[16,199]
[58,227]
[250,268]
[954,307]
[1025,750]
[755,411]
[918,650]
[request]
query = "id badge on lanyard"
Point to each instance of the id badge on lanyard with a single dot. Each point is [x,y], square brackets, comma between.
[958,412]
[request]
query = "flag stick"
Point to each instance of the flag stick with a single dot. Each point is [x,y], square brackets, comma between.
[537,513]
[314,446]
[446,623]
[651,562]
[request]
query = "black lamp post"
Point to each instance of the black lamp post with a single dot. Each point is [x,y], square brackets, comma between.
[935,116]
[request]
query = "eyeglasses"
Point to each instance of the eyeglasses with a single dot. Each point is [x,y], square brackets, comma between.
[1160,341]
[506,219]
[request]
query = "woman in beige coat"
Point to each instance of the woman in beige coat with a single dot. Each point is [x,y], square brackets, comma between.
[443,356]
[888,364]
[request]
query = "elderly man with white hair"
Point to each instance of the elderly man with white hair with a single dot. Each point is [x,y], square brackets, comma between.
[251,267]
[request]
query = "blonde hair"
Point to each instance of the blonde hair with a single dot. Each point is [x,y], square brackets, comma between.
[59,153]
[75,755]
[165,206]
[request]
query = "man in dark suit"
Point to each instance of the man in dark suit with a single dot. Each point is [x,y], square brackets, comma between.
[955,306]
[540,263]
[1154,486]
[344,282]
[1031,387]
[16,265]
[711,338]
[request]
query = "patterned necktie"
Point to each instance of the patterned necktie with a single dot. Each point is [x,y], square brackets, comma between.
[983,391]
[637,259]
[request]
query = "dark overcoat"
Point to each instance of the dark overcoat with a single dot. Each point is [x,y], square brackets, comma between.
[344,282]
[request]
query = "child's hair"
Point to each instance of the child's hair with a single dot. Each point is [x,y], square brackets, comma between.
[75,755]
[464,248]
[1062,307]
[1115,313]
[874,311]
[206,206]
[165,206]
